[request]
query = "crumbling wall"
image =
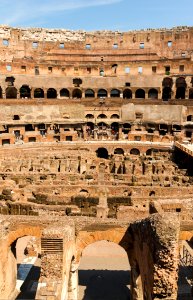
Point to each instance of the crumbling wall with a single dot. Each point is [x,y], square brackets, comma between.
[154,257]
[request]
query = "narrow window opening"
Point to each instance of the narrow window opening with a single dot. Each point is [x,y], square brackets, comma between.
[88,46]
[61,46]
[154,69]
[5,42]
[142,46]
[35,45]
[169,43]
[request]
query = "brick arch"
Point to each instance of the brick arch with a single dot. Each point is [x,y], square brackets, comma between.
[25,230]
[119,236]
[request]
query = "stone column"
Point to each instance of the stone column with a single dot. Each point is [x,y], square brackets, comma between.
[73,283]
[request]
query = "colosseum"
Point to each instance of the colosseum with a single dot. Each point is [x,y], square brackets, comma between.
[96,146]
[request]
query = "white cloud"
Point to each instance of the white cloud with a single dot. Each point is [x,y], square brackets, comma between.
[22,11]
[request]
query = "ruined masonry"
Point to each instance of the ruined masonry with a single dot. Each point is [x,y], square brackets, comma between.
[96,144]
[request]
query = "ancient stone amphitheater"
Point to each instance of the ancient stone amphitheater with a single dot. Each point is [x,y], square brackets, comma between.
[96,144]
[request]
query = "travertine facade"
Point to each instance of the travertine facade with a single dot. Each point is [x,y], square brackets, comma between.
[97,125]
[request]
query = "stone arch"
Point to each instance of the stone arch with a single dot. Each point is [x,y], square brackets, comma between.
[127,94]
[77,93]
[84,238]
[25,91]
[51,93]
[135,151]
[23,230]
[102,93]
[38,93]
[102,116]
[89,116]
[166,93]
[115,93]
[89,93]
[64,93]
[119,151]
[180,88]
[153,94]
[167,84]
[140,94]
[7,249]
[11,92]
[149,152]
[115,116]
[102,153]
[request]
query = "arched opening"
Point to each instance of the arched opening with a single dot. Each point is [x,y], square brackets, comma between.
[167,88]
[89,116]
[102,116]
[115,93]
[190,118]
[127,94]
[180,88]
[166,93]
[115,116]
[64,93]
[25,92]
[16,117]
[77,93]
[134,151]
[38,93]
[153,94]
[51,93]
[149,152]
[102,93]
[126,128]
[102,153]
[152,194]
[190,93]
[1,93]
[11,93]
[114,68]
[26,251]
[140,93]
[119,151]
[89,93]
[104,272]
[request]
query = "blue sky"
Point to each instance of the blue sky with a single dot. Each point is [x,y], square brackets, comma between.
[122,15]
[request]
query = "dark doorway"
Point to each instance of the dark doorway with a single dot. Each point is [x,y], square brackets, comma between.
[25,92]
[89,93]
[115,93]
[11,93]
[77,94]
[64,93]
[102,93]
[153,94]
[180,88]
[51,93]
[38,93]
[140,94]
[127,94]
[102,153]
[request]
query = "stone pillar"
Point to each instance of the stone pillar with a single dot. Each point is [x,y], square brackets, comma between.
[120,132]
[8,275]
[73,283]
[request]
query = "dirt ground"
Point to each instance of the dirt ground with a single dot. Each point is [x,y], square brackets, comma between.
[104,273]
